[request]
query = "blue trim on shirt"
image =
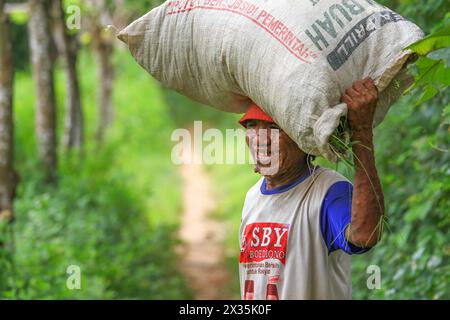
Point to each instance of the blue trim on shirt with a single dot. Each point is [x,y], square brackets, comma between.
[335,216]
[335,212]
[286,187]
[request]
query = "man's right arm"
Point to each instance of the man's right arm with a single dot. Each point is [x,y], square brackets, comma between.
[368,200]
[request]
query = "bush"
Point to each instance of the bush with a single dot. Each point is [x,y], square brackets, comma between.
[113,213]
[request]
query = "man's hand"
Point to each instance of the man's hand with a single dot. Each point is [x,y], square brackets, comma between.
[368,200]
[361,100]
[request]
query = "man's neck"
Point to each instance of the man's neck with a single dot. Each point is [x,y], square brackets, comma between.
[285,178]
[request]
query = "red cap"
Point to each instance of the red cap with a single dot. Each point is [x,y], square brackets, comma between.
[254,112]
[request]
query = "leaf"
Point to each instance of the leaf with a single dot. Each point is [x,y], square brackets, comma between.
[418,212]
[429,92]
[441,54]
[435,41]
[426,74]
[442,75]
[446,114]
[432,71]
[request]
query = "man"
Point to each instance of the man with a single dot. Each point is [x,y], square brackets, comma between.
[301,223]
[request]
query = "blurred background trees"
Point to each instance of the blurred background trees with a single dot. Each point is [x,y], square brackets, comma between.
[112,206]
[67,48]
[41,51]
[8,176]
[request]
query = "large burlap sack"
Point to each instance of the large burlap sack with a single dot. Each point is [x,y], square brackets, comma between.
[294,58]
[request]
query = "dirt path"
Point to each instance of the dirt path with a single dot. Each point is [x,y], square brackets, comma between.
[202,236]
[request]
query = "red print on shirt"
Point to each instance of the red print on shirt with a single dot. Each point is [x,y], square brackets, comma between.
[264,240]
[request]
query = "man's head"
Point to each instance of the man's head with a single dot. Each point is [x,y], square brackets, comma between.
[275,153]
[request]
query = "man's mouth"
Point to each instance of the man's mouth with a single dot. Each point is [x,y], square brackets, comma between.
[264,151]
[264,160]
[264,156]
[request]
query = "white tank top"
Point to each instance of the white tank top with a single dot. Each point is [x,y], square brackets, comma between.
[283,254]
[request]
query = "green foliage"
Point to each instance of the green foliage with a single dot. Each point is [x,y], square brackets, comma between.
[413,157]
[114,213]
[19,17]
[427,14]
[412,148]
[432,70]
[93,220]
[437,40]
[139,8]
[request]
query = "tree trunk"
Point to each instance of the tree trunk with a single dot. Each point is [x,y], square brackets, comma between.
[105,75]
[120,16]
[8,177]
[73,136]
[40,46]
[104,49]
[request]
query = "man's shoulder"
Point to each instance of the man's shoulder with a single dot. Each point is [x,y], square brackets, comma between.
[252,196]
[255,189]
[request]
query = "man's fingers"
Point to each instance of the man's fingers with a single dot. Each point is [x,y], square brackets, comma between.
[361,92]
[370,84]
[372,89]
[347,99]
[352,92]
[359,86]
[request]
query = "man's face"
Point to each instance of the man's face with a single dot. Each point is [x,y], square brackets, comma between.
[274,151]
